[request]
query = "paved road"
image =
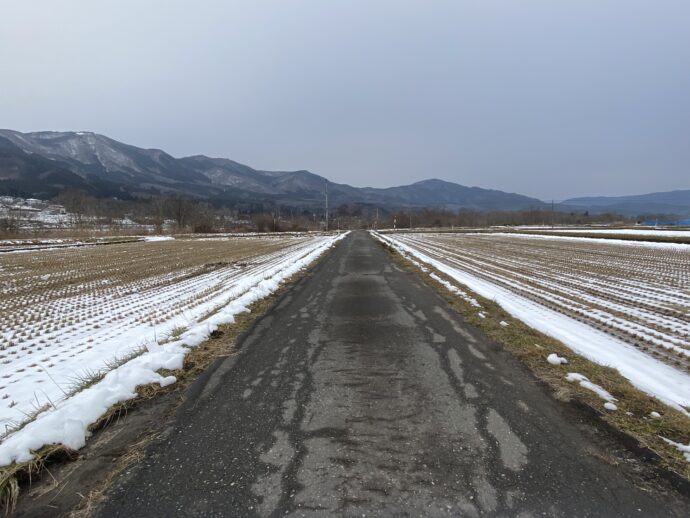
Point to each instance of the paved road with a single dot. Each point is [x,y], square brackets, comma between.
[360,394]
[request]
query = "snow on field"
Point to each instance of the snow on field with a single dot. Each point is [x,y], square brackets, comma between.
[597,241]
[638,291]
[61,327]
[153,239]
[615,231]
[577,292]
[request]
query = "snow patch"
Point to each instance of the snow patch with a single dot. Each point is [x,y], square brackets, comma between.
[554,359]
[683,448]
[597,389]
[454,289]
[618,231]
[158,238]
[618,242]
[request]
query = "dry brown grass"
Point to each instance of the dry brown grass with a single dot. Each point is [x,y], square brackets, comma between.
[531,347]
[16,475]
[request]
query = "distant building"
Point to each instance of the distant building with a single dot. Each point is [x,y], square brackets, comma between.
[33,202]
[25,209]
[55,209]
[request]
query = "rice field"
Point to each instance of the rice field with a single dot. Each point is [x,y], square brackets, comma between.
[636,292]
[69,313]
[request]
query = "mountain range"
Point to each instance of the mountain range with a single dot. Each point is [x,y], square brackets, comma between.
[670,202]
[43,164]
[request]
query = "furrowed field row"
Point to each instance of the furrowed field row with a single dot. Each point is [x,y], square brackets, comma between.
[640,294]
[65,313]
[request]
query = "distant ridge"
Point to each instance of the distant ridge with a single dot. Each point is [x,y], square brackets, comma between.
[670,202]
[43,164]
[105,167]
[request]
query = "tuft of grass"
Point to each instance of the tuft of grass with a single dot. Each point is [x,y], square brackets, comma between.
[114,363]
[176,332]
[12,477]
[531,347]
[9,489]
[88,378]
[29,417]
[83,380]
[211,312]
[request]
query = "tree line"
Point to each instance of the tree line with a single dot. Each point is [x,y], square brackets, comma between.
[184,215]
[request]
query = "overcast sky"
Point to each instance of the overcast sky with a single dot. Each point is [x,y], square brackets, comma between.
[547,98]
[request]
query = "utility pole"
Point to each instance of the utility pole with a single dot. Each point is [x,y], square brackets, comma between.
[326,205]
[551,213]
[376,222]
[410,220]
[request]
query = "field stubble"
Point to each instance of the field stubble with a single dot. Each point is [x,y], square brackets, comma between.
[67,314]
[639,294]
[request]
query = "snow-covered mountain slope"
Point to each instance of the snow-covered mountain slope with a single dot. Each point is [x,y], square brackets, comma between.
[149,171]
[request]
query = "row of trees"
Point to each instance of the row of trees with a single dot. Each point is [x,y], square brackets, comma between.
[443,218]
[180,214]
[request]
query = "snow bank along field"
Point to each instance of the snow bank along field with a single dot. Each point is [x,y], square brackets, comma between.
[648,232]
[624,304]
[645,234]
[74,314]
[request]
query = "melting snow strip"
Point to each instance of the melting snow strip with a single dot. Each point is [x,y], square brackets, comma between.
[683,448]
[597,389]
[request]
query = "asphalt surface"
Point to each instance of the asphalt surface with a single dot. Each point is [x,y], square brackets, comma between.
[361,393]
